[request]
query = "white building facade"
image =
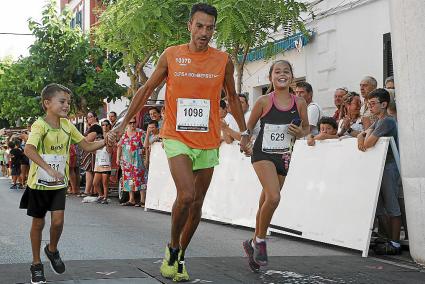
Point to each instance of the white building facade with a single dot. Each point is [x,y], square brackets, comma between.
[347,44]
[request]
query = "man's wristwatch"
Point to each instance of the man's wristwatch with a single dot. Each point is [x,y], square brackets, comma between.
[246,133]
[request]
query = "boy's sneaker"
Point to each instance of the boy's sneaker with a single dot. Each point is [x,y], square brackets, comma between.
[249,251]
[169,263]
[37,274]
[181,274]
[56,262]
[260,253]
[387,248]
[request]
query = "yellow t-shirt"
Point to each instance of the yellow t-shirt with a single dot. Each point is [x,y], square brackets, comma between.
[54,141]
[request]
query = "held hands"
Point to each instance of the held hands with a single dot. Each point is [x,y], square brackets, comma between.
[245,145]
[296,131]
[114,135]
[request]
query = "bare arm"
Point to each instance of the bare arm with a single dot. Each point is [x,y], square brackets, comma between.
[141,96]
[119,151]
[232,97]
[91,146]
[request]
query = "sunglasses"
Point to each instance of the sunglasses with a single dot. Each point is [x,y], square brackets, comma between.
[105,124]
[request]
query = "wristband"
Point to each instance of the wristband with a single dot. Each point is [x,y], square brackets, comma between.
[246,133]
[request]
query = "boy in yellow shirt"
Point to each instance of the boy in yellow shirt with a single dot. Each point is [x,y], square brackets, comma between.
[48,147]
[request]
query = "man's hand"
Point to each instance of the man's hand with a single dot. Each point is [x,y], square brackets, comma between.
[310,140]
[296,131]
[55,174]
[114,135]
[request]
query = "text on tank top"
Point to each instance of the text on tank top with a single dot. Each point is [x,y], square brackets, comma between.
[192,98]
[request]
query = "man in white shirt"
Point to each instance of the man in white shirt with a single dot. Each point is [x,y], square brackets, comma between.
[314,111]
[230,127]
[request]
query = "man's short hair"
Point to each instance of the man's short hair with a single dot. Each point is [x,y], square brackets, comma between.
[371,81]
[153,122]
[306,86]
[204,8]
[223,104]
[244,96]
[327,120]
[381,94]
[113,113]
[389,79]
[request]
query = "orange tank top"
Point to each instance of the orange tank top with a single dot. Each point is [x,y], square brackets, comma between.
[194,85]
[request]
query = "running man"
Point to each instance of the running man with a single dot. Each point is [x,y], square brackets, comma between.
[195,74]
[283,118]
[48,147]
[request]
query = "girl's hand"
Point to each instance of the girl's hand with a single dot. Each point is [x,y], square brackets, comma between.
[296,131]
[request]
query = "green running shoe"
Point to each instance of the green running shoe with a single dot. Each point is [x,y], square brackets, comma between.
[181,274]
[169,264]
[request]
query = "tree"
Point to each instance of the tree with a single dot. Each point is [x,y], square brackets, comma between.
[140,30]
[245,25]
[63,55]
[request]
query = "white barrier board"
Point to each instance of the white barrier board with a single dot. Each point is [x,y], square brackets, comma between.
[233,194]
[331,192]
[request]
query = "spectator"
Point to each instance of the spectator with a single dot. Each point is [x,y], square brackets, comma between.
[25,162]
[93,131]
[15,158]
[338,98]
[155,114]
[388,208]
[231,128]
[328,130]
[389,83]
[367,85]
[224,116]
[112,118]
[8,160]
[73,177]
[304,90]
[392,108]
[351,121]
[130,155]
[102,167]
[3,160]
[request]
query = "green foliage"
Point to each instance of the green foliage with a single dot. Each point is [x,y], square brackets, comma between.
[140,30]
[63,55]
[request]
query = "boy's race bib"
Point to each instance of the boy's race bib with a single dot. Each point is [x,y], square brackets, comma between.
[56,162]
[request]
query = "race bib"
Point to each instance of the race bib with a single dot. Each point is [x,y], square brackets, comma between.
[193,115]
[103,158]
[276,139]
[56,162]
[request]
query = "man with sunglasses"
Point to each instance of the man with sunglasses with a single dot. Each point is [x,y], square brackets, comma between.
[388,209]
[195,74]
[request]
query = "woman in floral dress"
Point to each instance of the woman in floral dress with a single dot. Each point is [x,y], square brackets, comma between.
[130,156]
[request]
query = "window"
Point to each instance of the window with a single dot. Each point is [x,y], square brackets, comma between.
[388,57]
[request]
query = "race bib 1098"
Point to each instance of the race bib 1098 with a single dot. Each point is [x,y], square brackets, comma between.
[193,115]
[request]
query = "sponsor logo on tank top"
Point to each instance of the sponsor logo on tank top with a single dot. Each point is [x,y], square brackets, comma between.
[183,61]
[56,148]
[196,75]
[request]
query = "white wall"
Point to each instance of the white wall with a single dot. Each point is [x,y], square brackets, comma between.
[347,46]
[407,21]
